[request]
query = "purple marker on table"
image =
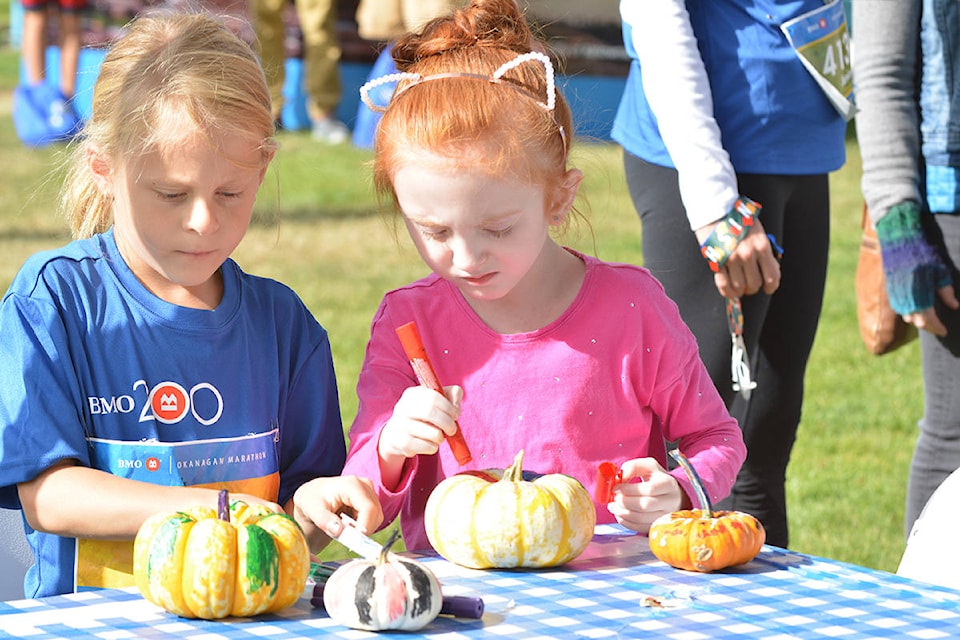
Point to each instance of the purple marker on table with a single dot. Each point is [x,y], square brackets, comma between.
[462,606]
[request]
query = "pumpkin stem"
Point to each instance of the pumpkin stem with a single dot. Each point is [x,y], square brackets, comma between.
[514,473]
[223,505]
[386,546]
[684,463]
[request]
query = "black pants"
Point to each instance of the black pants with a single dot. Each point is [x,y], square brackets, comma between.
[779,329]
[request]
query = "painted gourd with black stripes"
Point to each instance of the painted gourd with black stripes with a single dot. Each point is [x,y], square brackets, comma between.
[507,518]
[389,593]
[241,560]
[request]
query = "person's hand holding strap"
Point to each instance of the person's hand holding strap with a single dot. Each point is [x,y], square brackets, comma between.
[914,270]
[744,259]
[741,266]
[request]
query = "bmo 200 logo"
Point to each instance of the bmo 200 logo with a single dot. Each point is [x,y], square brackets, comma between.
[167,402]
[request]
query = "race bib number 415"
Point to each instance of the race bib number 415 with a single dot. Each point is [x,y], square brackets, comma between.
[822,43]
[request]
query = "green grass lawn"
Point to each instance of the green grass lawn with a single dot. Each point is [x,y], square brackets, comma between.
[318,229]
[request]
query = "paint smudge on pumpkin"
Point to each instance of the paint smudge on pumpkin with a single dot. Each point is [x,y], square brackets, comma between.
[262,560]
[422,584]
[363,595]
[395,592]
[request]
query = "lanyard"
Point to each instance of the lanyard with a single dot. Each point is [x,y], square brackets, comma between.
[739,362]
[743,383]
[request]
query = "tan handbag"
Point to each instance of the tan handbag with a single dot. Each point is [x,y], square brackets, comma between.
[881,329]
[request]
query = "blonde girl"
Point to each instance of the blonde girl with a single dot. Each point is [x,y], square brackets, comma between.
[141,369]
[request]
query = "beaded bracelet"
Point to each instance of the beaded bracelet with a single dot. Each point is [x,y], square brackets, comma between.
[729,232]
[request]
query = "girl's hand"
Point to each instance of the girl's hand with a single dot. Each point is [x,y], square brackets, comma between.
[317,506]
[421,419]
[636,505]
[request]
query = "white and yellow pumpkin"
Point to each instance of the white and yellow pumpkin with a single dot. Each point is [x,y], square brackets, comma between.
[496,518]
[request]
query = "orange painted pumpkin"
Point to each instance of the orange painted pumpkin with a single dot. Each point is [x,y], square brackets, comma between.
[703,539]
[237,561]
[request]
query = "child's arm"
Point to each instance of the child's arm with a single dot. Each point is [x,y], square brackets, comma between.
[691,413]
[652,493]
[316,506]
[385,378]
[76,501]
[421,419]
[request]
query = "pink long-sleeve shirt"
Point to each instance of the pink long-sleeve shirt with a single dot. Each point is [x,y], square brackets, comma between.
[611,379]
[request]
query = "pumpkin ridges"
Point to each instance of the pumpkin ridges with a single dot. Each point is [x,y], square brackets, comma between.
[567,533]
[701,553]
[463,490]
[394,602]
[209,560]
[294,558]
[363,596]
[242,513]
[199,512]
[524,502]
[541,534]
[501,542]
[502,516]
[164,560]
[141,554]
[422,582]
[580,515]
[258,571]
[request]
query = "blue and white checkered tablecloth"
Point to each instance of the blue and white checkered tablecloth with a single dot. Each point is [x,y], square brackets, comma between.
[615,589]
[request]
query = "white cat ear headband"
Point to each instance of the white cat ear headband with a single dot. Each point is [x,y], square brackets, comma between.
[496,78]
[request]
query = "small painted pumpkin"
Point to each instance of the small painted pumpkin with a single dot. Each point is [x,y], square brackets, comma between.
[703,539]
[387,593]
[496,518]
[237,561]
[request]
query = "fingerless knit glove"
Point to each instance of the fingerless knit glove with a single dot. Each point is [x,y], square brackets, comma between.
[912,266]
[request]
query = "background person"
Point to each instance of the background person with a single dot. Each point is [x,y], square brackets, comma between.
[321,59]
[717,106]
[51,106]
[909,137]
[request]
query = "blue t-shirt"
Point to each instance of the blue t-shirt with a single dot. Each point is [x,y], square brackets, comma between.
[95,368]
[772,115]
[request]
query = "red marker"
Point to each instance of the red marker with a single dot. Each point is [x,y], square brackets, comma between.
[413,346]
